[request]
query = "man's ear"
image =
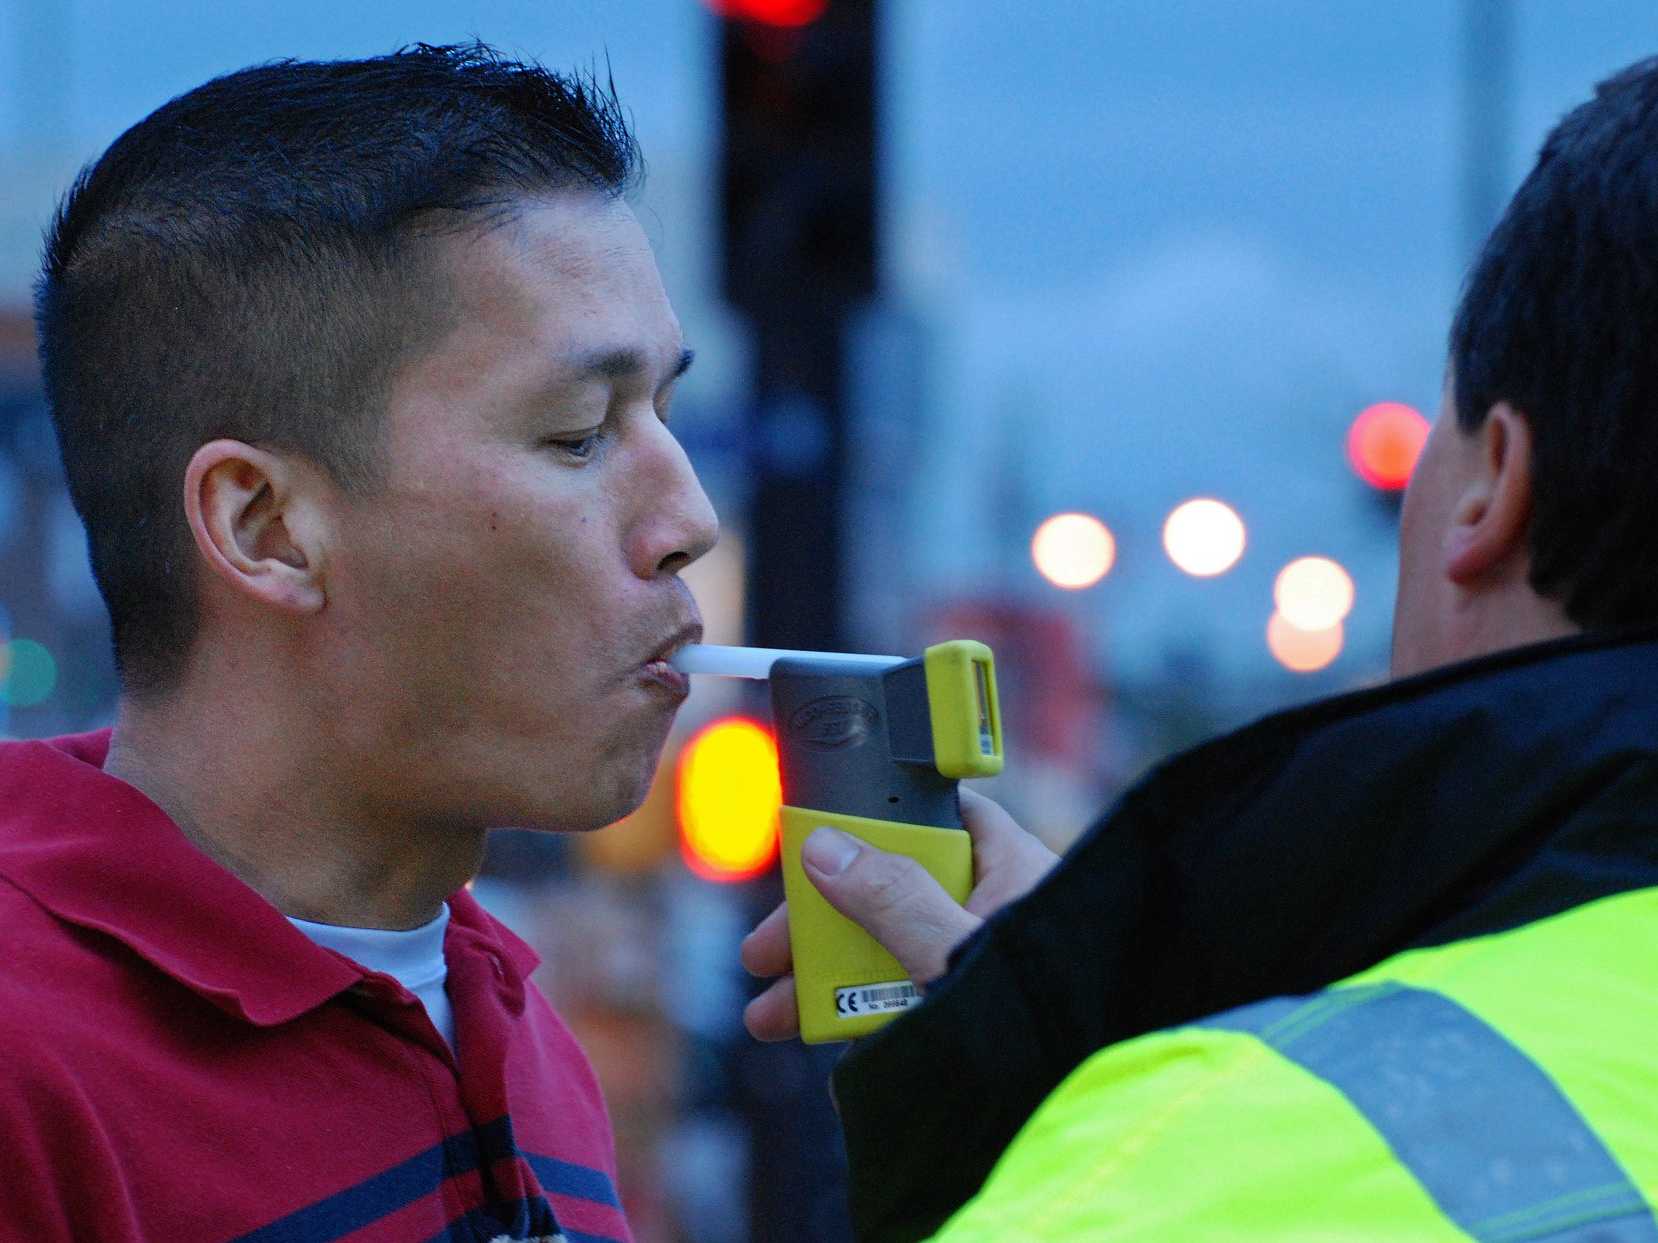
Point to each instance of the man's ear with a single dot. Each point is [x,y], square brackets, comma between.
[1492,516]
[257,523]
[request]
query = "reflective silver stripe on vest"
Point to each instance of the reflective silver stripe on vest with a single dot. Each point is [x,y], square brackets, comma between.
[1483,1129]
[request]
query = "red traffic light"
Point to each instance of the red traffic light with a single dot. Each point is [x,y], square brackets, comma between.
[1384,443]
[788,14]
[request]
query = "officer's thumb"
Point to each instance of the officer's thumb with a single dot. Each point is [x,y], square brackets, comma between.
[891,897]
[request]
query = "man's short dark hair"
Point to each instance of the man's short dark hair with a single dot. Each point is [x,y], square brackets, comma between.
[1560,319]
[252,261]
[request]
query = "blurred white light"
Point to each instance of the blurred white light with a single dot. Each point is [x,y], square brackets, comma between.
[1073,551]
[1303,651]
[1204,537]
[1313,593]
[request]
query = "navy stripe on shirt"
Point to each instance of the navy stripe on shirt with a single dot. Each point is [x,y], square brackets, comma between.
[382,1194]
[368,1201]
[566,1178]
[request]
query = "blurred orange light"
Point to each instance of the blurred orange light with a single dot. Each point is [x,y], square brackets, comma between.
[1204,537]
[1073,551]
[1303,651]
[1313,593]
[728,800]
[790,13]
[1384,442]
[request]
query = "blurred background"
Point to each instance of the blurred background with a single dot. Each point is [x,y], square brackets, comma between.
[1103,332]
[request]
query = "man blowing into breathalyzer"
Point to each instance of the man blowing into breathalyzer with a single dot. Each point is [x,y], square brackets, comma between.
[1380,967]
[361,372]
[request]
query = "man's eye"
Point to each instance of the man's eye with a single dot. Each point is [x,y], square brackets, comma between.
[579,447]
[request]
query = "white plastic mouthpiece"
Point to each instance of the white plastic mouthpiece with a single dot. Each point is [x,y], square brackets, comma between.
[756,662]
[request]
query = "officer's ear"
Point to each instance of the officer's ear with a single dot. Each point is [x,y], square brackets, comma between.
[258,523]
[1492,515]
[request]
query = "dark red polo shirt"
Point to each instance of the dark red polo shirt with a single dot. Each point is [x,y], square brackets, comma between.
[179,1063]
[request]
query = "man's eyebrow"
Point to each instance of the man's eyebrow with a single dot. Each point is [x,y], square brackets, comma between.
[619,364]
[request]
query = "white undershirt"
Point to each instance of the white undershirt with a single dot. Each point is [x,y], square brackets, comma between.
[414,958]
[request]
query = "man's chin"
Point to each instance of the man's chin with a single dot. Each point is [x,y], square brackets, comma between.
[593,812]
[610,787]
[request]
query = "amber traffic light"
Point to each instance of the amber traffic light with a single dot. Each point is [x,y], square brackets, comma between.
[728,796]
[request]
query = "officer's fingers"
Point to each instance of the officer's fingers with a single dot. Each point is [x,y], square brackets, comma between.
[987,821]
[773,1015]
[1008,862]
[997,838]
[891,897]
[765,951]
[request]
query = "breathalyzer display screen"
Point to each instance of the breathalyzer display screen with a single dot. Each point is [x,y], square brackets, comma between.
[981,683]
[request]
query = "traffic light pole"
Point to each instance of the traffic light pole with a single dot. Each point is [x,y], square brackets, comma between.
[798,186]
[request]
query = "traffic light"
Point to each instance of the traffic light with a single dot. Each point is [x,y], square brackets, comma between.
[798,209]
[727,800]
[1384,442]
[798,168]
[789,14]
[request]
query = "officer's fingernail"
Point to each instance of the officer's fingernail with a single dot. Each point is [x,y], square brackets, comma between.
[830,851]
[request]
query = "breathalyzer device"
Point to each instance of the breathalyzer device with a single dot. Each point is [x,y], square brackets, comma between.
[872,746]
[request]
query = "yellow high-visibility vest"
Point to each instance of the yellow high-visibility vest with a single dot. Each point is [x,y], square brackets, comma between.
[1501,1088]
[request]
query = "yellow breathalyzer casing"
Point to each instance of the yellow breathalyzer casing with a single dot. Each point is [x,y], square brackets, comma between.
[877,754]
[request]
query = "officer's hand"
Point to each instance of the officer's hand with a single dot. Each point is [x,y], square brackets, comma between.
[897,902]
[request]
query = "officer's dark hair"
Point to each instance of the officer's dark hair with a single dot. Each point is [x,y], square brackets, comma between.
[254,260]
[1559,318]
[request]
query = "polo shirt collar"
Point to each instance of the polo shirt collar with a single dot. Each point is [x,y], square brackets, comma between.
[97,853]
[470,924]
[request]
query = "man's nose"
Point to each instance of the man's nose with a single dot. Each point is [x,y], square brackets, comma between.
[677,523]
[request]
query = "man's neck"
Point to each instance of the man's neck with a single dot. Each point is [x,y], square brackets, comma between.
[285,823]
